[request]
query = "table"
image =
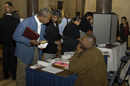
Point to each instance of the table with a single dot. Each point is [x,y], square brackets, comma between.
[115,53]
[40,78]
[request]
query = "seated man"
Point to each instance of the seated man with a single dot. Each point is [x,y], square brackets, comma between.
[88,63]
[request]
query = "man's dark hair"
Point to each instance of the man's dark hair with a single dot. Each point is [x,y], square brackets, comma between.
[124,18]
[77,13]
[88,14]
[9,3]
[56,12]
[43,12]
[91,39]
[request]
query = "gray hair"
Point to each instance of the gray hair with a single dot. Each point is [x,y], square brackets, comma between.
[43,12]
[56,12]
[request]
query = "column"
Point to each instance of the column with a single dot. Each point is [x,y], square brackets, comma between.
[103,6]
[32,7]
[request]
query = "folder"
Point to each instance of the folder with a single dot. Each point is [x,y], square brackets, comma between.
[30,34]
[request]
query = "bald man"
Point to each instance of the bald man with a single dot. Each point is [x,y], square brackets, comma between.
[64,22]
[14,14]
[8,25]
[88,63]
[27,54]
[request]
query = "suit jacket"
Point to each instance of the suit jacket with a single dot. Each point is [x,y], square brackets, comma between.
[122,32]
[24,51]
[14,14]
[52,35]
[8,25]
[90,68]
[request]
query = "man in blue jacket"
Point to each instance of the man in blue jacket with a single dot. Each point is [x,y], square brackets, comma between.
[27,54]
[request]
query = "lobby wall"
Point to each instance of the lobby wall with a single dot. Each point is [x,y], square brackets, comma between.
[21,5]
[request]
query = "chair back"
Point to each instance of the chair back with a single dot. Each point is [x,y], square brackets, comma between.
[113,79]
[127,73]
[119,80]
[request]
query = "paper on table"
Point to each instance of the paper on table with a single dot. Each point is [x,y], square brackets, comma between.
[52,70]
[66,56]
[43,45]
[69,53]
[43,63]
[51,60]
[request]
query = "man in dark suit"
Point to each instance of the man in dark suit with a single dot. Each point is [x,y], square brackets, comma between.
[8,25]
[14,14]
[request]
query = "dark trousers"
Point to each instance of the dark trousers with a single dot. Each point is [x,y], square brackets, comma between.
[9,60]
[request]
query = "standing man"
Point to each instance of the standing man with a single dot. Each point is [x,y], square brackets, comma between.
[14,14]
[78,14]
[8,25]
[27,54]
[64,22]
[88,63]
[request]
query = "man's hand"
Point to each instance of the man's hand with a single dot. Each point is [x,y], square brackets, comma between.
[79,39]
[34,42]
[57,42]
[88,32]
[78,49]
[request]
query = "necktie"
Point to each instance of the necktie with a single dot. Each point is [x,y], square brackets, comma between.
[67,21]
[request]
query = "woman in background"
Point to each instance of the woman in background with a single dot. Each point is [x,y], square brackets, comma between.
[71,35]
[124,30]
[85,25]
[52,36]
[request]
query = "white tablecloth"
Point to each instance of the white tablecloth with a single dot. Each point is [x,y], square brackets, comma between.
[113,62]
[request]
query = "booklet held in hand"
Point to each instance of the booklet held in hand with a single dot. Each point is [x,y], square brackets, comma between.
[43,41]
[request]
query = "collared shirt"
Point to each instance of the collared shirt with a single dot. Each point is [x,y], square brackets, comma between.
[55,24]
[86,50]
[9,14]
[39,25]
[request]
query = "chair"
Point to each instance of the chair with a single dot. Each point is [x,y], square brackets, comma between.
[127,52]
[118,80]
[113,79]
[124,60]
